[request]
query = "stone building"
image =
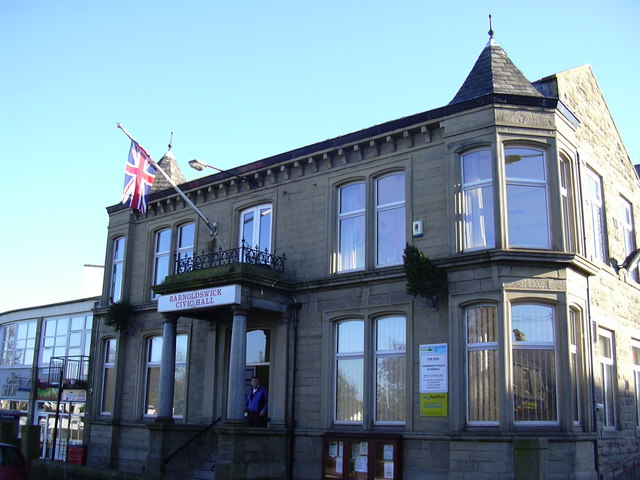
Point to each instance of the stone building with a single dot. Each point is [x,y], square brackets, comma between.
[515,354]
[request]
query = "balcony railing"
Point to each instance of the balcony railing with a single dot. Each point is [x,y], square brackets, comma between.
[242,254]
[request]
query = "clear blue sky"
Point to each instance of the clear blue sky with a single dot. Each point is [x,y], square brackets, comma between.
[237,81]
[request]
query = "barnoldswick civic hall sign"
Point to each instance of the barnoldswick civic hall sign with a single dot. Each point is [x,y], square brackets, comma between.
[207,297]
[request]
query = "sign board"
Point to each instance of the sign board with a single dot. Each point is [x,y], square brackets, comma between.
[207,297]
[15,384]
[434,368]
[433,404]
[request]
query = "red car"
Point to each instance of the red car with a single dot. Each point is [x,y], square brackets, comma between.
[13,465]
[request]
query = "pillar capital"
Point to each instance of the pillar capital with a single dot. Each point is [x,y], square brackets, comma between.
[239,309]
[170,317]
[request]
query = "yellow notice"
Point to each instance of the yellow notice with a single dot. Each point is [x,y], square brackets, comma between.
[433,404]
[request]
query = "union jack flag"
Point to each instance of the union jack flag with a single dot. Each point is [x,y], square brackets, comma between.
[139,172]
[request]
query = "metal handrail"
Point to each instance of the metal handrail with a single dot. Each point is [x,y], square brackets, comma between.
[188,442]
[620,468]
[243,254]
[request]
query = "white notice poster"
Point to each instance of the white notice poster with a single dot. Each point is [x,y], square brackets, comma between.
[434,368]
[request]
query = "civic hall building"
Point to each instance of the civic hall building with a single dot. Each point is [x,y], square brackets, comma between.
[452,294]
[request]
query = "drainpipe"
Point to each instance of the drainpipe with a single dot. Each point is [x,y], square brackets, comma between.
[294,308]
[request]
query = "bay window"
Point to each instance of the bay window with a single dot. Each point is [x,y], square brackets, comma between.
[477,193]
[527,198]
[534,363]
[482,364]
[566,195]
[530,348]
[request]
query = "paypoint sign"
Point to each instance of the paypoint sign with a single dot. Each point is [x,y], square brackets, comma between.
[207,297]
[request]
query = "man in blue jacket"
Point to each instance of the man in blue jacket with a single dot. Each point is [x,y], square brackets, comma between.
[256,404]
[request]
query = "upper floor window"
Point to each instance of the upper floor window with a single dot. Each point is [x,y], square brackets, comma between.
[566,195]
[385,359]
[186,236]
[164,245]
[108,375]
[18,343]
[594,217]
[390,219]
[65,337]
[477,192]
[386,220]
[351,227]
[527,198]
[117,268]
[255,227]
[628,232]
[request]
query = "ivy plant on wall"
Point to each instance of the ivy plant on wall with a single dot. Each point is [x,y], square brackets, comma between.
[118,315]
[423,277]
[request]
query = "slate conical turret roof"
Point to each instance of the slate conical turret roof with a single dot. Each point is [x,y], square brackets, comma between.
[170,166]
[494,73]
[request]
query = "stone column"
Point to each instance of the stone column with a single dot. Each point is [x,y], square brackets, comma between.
[237,364]
[167,369]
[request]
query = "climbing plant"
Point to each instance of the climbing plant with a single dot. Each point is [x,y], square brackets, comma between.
[423,277]
[118,315]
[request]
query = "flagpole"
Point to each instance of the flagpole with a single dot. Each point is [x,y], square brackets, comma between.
[212,226]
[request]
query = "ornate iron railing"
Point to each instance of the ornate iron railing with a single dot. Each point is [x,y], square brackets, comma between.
[243,254]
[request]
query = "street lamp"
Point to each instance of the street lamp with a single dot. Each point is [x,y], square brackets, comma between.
[200,166]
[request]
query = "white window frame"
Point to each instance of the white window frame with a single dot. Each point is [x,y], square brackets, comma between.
[381,355]
[566,195]
[370,357]
[352,258]
[596,216]
[152,344]
[478,222]
[341,356]
[110,346]
[258,237]
[628,233]
[70,337]
[635,355]
[161,254]
[117,269]
[531,184]
[488,343]
[390,239]
[536,345]
[575,363]
[608,378]
[18,343]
